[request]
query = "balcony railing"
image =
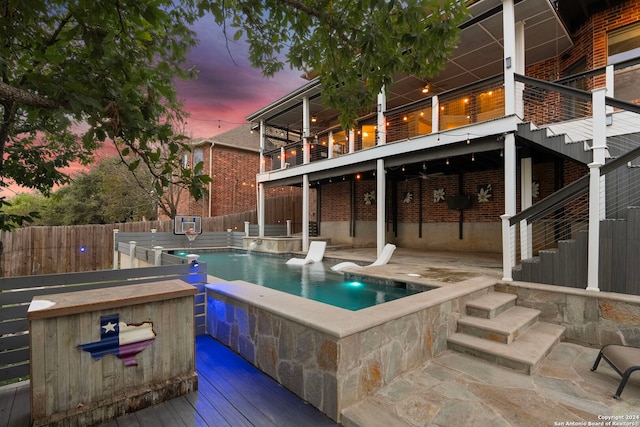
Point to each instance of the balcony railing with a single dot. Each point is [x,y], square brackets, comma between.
[475,103]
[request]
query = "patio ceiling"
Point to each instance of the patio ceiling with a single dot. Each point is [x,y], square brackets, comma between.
[477,57]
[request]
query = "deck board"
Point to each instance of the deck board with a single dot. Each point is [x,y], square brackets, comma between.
[231,393]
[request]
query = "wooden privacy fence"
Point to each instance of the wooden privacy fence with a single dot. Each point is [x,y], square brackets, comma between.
[65,249]
[16,294]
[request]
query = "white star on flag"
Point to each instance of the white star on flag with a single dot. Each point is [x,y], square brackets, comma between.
[109,327]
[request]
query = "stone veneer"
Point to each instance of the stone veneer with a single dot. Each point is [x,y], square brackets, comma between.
[591,318]
[329,356]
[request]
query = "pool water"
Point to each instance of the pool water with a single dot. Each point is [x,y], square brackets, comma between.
[313,281]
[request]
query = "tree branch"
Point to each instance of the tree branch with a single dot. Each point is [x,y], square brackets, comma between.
[20,96]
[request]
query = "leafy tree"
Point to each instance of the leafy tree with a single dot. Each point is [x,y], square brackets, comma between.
[125,196]
[77,74]
[25,205]
[81,202]
[74,75]
[355,47]
[107,193]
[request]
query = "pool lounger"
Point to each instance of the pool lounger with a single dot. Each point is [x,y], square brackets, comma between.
[384,258]
[315,254]
[623,359]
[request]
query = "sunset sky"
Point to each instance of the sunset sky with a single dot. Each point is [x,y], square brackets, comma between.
[226,91]
[227,88]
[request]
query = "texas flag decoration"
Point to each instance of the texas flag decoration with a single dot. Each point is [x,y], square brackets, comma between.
[120,339]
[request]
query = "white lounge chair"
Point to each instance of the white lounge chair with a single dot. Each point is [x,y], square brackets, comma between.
[384,258]
[315,254]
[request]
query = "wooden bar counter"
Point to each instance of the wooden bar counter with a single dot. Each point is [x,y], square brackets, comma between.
[99,354]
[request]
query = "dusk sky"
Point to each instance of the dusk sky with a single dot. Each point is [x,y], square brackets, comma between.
[226,92]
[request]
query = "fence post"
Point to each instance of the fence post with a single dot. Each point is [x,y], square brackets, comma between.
[246,228]
[158,255]
[288,228]
[153,237]
[116,252]
[132,254]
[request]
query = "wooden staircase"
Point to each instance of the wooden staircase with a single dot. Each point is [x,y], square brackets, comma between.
[578,151]
[496,329]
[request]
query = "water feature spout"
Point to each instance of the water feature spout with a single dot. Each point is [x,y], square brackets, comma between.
[253,245]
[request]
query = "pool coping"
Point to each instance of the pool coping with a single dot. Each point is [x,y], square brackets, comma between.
[335,321]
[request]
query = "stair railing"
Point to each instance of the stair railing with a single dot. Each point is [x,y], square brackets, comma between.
[567,212]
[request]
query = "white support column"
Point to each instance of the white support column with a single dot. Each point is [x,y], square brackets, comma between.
[519,68]
[509,31]
[594,227]
[352,141]
[262,142]
[596,186]
[382,120]
[306,125]
[609,82]
[261,210]
[283,158]
[610,79]
[508,262]
[509,153]
[600,141]
[330,145]
[526,200]
[381,235]
[305,212]
[246,228]
[435,114]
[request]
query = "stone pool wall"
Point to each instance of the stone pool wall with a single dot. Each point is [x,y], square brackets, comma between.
[591,318]
[329,356]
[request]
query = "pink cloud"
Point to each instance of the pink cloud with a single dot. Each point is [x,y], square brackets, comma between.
[226,91]
[227,88]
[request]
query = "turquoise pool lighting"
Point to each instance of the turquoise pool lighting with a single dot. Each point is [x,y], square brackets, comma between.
[312,281]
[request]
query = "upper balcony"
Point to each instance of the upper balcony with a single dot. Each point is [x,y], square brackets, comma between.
[469,90]
[475,103]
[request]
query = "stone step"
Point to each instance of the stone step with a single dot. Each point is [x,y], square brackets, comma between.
[505,328]
[524,355]
[490,305]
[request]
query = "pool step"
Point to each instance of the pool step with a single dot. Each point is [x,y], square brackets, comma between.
[490,305]
[504,328]
[503,333]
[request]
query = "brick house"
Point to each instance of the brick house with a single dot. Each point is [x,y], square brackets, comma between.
[231,159]
[534,116]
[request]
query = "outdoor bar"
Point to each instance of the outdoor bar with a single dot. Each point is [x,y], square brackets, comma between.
[98,354]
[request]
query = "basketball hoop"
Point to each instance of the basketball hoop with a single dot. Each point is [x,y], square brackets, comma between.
[191,235]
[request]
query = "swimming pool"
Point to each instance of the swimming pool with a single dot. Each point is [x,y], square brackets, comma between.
[313,281]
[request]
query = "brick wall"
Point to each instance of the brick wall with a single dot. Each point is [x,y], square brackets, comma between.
[590,42]
[233,188]
[234,180]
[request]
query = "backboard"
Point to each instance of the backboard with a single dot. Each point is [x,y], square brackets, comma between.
[183,224]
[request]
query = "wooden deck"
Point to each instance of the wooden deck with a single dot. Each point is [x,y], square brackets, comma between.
[231,392]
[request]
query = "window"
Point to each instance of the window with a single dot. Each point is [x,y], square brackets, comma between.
[369,136]
[198,156]
[624,45]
